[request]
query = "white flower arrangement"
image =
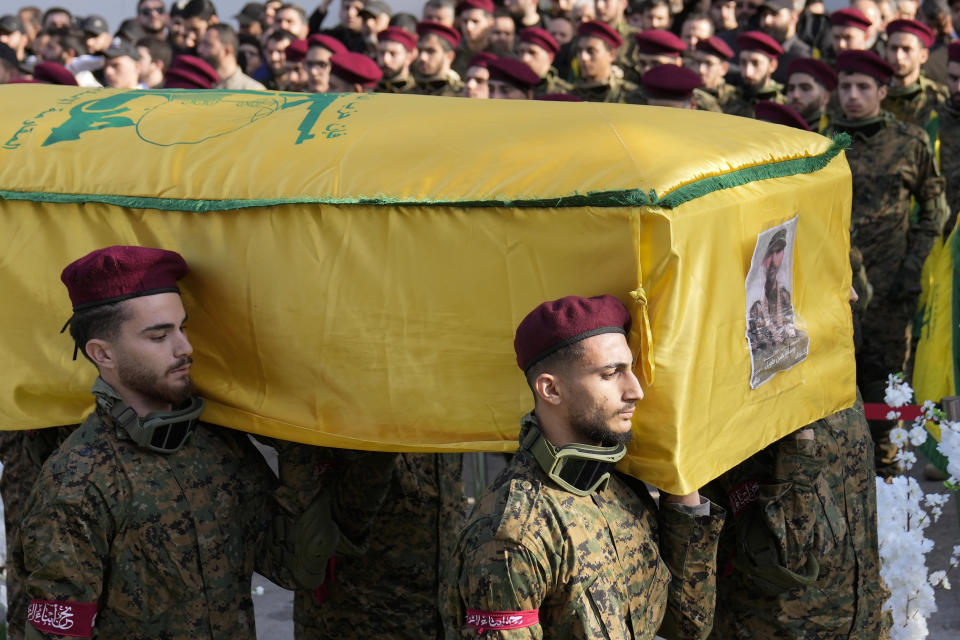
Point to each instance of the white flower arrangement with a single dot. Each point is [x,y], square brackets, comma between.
[905,511]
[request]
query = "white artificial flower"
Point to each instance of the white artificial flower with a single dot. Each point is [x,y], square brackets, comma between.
[893,415]
[899,436]
[906,458]
[918,435]
[898,392]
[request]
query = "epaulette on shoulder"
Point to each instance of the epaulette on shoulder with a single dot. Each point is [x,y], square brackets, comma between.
[519,502]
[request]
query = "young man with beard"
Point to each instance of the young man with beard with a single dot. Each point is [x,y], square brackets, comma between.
[320,49]
[433,70]
[892,168]
[475,18]
[396,51]
[561,546]
[147,522]
[778,19]
[912,97]
[810,83]
[218,47]
[711,60]
[758,62]
[152,17]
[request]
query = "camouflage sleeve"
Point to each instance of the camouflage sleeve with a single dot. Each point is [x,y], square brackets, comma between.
[493,580]
[64,544]
[688,544]
[929,191]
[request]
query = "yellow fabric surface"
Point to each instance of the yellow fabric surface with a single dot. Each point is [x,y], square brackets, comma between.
[390,326]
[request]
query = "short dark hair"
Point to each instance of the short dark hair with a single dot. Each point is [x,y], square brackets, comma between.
[559,360]
[408,21]
[280,34]
[228,37]
[102,322]
[160,50]
[203,9]
[290,5]
[440,4]
[70,41]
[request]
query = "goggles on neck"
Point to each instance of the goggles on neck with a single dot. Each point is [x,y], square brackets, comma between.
[160,431]
[581,469]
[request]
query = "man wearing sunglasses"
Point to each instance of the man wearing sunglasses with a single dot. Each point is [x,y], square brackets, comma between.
[152,17]
[147,522]
[560,545]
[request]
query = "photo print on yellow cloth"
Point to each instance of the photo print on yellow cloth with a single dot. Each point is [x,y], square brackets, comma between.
[774,332]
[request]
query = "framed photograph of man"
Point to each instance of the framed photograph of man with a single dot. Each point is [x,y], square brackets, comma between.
[777,341]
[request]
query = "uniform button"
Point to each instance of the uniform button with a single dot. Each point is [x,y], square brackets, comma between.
[526,486]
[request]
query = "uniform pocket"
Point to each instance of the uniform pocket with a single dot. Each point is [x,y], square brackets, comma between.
[603,615]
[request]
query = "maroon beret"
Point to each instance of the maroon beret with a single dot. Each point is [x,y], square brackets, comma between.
[659,42]
[190,72]
[329,43]
[559,97]
[514,72]
[597,29]
[818,69]
[953,51]
[296,51]
[482,59]
[118,273]
[923,32]
[759,42]
[559,323]
[539,37]
[670,82]
[53,73]
[396,34]
[449,34]
[466,5]
[715,46]
[355,68]
[850,18]
[780,114]
[864,62]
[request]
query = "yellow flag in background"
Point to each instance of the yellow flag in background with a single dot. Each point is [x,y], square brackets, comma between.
[359,263]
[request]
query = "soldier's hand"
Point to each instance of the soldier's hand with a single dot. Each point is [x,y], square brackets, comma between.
[689,500]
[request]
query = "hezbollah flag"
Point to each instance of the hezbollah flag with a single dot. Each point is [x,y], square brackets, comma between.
[359,263]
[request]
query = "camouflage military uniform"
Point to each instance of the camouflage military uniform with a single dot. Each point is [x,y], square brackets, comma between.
[613,90]
[742,103]
[800,548]
[723,95]
[392,591]
[917,104]
[163,545]
[449,85]
[949,127]
[23,454]
[607,565]
[551,83]
[401,84]
[891,163]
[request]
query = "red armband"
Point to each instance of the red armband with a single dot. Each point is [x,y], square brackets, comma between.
[501,620]
[74,619]
[742,496]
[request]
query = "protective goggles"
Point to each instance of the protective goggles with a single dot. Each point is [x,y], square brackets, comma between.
[581,469]
[161,431]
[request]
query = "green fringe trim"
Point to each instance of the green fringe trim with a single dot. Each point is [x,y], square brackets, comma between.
[602,199]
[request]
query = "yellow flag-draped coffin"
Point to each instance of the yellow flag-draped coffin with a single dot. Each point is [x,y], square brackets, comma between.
[359,263]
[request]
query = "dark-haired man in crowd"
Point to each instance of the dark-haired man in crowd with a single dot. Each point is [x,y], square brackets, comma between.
[396,51]
[597,45]
[778,19]
[433,69]
[758,62]
[218,47]
[152,17]
[810,83]
[537,49]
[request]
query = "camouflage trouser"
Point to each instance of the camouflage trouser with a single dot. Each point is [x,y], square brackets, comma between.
[884,350]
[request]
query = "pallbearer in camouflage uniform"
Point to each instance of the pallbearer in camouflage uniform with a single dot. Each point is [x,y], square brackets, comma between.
[891,164]
[396,51]
[912,97]
[538,49]
[560,546]
[146,522]
[758,60]
[23,454]
[392,591]
[950,136]
[436,49]
[596,49]
[799,556]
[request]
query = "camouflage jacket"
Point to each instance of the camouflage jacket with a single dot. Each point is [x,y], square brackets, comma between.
[742,103]
[449,85]
[917,104]
[799,555]
[949,127]
[891,163]
[613,90]
[551,83]
[392,591]
[723,95]
[161,545]
[608,565]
